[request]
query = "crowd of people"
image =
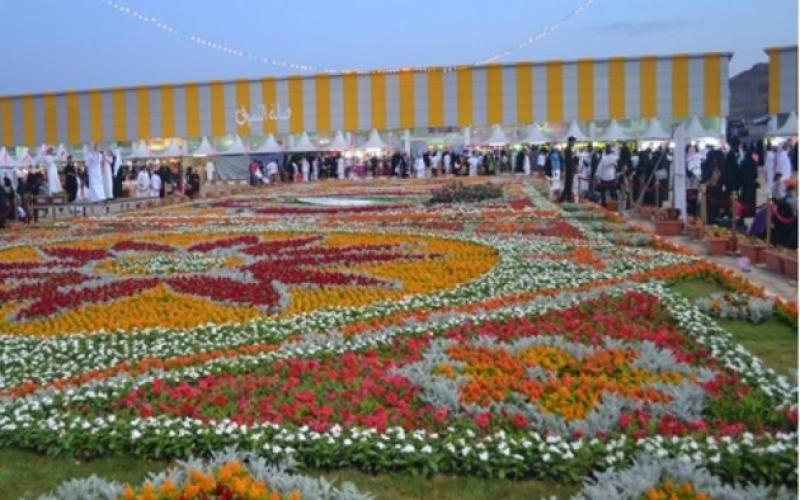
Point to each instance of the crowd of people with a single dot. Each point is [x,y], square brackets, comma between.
[102,176]
[620,172]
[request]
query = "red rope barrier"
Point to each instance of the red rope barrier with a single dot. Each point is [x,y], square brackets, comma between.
[782,219]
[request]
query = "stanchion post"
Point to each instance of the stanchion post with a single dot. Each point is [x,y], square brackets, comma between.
[733,219]
[769,221]
[703,212]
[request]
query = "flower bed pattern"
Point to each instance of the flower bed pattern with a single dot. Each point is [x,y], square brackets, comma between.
[508,339]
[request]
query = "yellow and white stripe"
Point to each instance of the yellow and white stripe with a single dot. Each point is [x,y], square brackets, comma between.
[668,87]
[782,90]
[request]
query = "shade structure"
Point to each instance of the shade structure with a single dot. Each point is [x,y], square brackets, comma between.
[654,131]
[497,137]
[237,148]
[61,152]
[338,143]
[41,152]
[138,151]
[172,150]
[535,135]
[25,159]
[302,144]
[374,141]
[696,131]
[5,159]
[204,149]
[613,132]
[789,127]
[270,146]
[574,131]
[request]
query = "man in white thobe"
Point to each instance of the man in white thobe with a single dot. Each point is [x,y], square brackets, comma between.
[340,168]
[420,168]
[473,165]
[155,185]
[210,171]
[53,182]
[94,170]
[108,176]
[143,183]
[446,161]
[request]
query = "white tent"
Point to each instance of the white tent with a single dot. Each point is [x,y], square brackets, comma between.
[696,131]
[612,133]
[338,143]
[654,131]
[41,152]
[61,152]
[535,135]
[25,159]
[270,146]
[237,148]
[789,127]
[204,149]
[172,150]
[574,131]
[302,144]
[772,125]
[497,137]
[5,159]
[139,151]
[374,141]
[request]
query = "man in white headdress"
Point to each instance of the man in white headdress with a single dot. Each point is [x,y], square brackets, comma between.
[446,160]
[315,169]
[94,170]
[142,183]
[53,182]
[473,165]
[420,168]
[155,185]
[340,168]
[305,167]
[108,177]
[210,171]
[526,162]
[783,164]
[770,166]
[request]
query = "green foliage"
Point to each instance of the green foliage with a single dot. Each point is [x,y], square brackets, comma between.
[457,192]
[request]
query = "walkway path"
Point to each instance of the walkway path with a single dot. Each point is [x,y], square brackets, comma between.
[760,275]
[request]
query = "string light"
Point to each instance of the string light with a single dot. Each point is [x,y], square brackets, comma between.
[535,37]
[233,51]
[207,43]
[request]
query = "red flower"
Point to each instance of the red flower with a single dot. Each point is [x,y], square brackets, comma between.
[520,422]
[483,420]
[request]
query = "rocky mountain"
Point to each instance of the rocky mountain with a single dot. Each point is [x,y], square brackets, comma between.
[748,93]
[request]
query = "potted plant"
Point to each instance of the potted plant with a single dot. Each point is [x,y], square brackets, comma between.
[694,227]
[789,262]
[667,222]
[645,211]
[772,256]
[716,240]
[753,249]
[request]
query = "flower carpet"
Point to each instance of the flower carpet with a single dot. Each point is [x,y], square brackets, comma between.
[511,338]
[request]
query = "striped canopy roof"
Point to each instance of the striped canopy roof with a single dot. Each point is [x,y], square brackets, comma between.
[668,87]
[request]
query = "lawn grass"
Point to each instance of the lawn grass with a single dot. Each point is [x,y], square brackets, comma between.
[773,341]
[27,474]
[446,487]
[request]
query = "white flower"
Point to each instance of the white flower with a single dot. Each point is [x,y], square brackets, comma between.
[484,456]
[135,435]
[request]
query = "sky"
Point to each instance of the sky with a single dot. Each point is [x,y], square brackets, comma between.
[56,45]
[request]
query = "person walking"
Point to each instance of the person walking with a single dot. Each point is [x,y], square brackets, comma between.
[569,171]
